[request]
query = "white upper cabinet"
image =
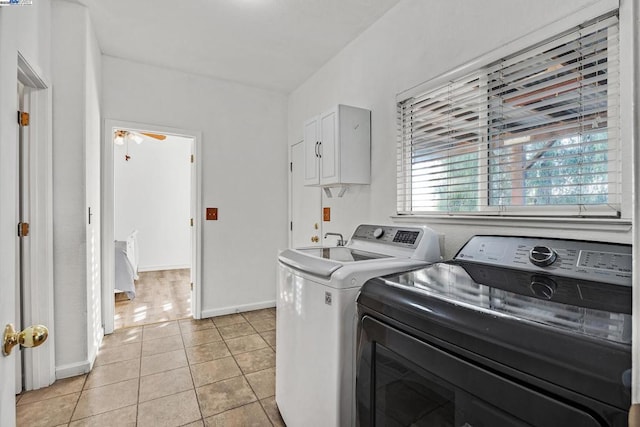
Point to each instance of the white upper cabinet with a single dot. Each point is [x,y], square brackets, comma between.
[337,147]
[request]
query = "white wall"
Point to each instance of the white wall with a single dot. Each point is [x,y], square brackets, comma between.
[152,195]
[76,187]
[244,170]
[414,42]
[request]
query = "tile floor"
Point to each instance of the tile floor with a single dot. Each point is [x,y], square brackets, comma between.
[160,296]
[210,372]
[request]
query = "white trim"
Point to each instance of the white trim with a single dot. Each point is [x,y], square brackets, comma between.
[629,45]
[108,262]
[94,350]
[37,305]
[73,369]
[28,76]
[290,190]
[579,224]
[196,234]
[237,309]
[163,267]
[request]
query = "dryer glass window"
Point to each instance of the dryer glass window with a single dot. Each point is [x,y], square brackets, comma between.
[406,395]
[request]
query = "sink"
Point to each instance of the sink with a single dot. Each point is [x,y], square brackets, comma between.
[341,253]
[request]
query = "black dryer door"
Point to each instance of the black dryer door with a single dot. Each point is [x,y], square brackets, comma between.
[402,381]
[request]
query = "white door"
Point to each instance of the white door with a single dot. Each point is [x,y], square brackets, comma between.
[305,203]
[9,258]
[35,197]
[8,369]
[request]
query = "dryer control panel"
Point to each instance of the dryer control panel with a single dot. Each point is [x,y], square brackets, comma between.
[595,261]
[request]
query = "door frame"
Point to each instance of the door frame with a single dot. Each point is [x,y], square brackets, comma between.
[108,214]
[37,301]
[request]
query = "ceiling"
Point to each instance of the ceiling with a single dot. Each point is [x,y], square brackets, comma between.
[272,44]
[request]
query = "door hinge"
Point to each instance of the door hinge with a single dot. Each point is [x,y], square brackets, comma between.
[23,118]
[191,222]
[192,158]
[191,285]
[23,229]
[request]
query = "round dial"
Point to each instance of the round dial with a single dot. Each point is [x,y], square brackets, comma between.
[378,232]
[543,287]
[542,256]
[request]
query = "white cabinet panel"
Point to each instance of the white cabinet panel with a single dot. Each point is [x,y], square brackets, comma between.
[338,147]
[311,143]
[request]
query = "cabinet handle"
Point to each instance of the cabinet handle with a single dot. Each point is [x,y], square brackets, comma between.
[317,154]
[320,149]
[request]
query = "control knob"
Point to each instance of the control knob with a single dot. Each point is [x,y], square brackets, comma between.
[542,256]
[378,232]
[543,287]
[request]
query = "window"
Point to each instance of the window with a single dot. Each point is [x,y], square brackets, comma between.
[535,133]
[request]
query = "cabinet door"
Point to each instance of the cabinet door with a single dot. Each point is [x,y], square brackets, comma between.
[311,152]
[329,148]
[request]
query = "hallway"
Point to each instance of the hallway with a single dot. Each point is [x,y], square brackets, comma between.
[160,296]
[210,372]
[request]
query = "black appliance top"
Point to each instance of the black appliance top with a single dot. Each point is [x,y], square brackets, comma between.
[555,309]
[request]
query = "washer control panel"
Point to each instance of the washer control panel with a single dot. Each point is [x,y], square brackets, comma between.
[407,237]
[594,261]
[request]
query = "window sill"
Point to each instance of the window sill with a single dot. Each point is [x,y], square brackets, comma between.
[614,225]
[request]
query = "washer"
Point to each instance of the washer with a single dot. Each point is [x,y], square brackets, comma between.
[316,317]
[514,331]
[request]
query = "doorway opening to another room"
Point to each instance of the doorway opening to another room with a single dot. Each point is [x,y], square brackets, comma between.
[153,219]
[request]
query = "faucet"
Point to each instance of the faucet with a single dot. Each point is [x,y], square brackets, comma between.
[341,241]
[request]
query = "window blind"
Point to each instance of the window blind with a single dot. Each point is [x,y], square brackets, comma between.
[536,133]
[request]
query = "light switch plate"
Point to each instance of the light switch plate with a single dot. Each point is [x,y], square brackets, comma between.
[212,214]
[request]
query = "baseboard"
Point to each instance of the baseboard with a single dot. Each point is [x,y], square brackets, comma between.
[237,309]
[162,267]
[73,369]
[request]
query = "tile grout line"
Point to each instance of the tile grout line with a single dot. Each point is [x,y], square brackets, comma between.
[139,375]
[245,376]
[75,407]
[195,392]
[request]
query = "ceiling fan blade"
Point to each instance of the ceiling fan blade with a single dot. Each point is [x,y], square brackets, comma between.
[154,135]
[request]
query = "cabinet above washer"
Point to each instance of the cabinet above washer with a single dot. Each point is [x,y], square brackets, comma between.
[337,147]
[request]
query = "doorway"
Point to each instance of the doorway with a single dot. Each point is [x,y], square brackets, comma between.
[152,179]
[34,247]
[151,247]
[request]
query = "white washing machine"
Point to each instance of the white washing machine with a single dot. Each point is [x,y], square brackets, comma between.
[316,317]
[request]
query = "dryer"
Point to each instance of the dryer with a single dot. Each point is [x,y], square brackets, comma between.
[514,331]
[316,317]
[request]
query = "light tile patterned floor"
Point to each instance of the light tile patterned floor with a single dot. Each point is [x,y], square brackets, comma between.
[210,372]
[160,296]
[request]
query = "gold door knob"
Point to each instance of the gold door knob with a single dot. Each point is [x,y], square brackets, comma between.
[32,336]
[315,239]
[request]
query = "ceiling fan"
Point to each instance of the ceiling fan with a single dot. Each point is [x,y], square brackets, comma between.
[122,137]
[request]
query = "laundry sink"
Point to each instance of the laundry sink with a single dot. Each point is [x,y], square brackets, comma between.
[340,253]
